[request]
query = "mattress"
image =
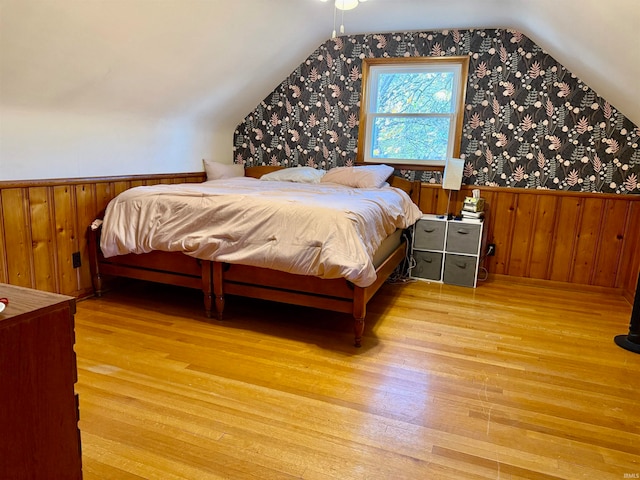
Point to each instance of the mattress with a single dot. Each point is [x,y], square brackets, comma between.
[387,247]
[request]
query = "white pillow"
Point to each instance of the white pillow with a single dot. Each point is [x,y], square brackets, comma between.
[217,170]
[295,174]
[367,176]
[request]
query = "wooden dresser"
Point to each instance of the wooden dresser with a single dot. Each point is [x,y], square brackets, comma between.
[39,435]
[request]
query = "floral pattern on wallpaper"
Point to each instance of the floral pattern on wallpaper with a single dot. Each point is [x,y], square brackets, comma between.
[528,121]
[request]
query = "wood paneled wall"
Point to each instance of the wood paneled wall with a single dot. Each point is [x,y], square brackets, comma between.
[578,238]
[45,222]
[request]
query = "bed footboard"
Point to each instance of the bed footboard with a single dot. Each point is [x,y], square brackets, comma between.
[336,295]
[173,268]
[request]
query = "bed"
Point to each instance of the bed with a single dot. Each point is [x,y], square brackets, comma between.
[224,267]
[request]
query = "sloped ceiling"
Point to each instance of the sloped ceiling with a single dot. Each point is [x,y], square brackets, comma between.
[212,61]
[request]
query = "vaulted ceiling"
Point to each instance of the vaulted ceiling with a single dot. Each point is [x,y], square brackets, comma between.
[212,60]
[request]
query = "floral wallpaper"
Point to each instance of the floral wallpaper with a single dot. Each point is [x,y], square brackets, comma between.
[528,122]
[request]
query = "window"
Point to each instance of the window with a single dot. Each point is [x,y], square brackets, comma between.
[411,110]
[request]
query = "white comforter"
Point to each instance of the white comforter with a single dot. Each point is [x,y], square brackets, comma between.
[325,230]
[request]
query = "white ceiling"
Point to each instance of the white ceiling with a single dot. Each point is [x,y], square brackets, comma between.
[215,60]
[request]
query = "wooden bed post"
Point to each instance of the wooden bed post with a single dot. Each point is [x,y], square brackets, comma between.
[94,265]
[359,312]
[218,288]
[207,286]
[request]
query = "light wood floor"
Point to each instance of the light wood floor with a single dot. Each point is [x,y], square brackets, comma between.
[507,381]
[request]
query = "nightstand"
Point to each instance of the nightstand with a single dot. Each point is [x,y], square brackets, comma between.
[447,251]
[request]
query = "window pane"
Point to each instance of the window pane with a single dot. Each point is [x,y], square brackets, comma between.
[410,138]
[413,110]
[415,93]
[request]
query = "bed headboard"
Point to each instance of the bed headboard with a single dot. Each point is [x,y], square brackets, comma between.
[257,172]
[412,188]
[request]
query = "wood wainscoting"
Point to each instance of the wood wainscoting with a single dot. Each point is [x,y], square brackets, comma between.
[570,237]
[577,238]
[44,222]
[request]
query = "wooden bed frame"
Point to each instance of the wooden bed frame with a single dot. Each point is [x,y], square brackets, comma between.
[217,279]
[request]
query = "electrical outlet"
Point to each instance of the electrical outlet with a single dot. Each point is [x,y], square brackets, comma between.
[491,250]
[75,259]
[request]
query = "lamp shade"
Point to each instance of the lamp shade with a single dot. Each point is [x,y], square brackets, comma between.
[452,177]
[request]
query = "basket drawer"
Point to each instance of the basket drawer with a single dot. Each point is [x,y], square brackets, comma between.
[460,270]
[428,265]
[429,235]
[463,238]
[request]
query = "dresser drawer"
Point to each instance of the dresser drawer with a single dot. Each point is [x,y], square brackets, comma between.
[463,238]
[429,235]
[460,270]
[428,265]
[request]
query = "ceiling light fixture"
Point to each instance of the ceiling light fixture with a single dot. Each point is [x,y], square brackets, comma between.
[346,4]
[342,5]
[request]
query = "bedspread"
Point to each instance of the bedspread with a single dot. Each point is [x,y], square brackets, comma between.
[325,230]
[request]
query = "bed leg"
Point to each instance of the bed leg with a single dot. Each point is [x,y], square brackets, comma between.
[359,312]
[97,285]
[207,287]
[93,237]
[218,288]
[219,306]
[208,305]
[358,327]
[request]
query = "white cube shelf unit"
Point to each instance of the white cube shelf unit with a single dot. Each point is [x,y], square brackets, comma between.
[447,251]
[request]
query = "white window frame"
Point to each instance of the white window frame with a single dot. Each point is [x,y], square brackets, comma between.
[371,70]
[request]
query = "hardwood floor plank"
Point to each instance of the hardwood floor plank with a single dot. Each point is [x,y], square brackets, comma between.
[94,468]
[507,381]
